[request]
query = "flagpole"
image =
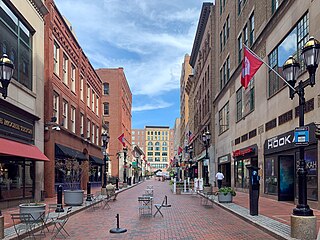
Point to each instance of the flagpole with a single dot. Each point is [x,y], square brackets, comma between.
[253,53]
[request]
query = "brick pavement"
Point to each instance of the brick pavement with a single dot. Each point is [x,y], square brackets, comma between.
[187,219]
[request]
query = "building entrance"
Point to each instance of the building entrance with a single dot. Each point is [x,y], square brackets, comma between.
[286,178]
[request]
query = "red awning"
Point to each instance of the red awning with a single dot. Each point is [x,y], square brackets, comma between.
[8,147]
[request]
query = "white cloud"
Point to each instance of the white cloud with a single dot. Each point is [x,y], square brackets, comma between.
[147,38]
[151,106]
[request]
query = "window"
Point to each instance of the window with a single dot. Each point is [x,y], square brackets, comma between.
[88,129]
[106,88]
[220,7]
[56,105]
[73,78]
[239,104]
[73,119]
[65,114]
[65,70]
[221,41]
[224,34]
[97,135]
[56,49]
[224,119]
[93,130]
[81,88]
[291,45]
[228,26]
[92,100]
[251,21]
[239,49]
[275,5]
[88,95]
[245,35]
[228,68]
[97,105]
[105,108]
[81,124]
[16,42]
[239,6]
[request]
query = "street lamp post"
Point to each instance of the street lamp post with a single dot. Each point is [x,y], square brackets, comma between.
[105,140]
[6,72]
[125,151]
[190,150]
[206,139]
[310,55]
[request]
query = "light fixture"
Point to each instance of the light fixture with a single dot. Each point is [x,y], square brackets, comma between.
[310,55]
[6,72]
[290,71]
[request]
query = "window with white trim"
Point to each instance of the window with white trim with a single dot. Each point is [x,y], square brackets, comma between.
[56,105]
[81,124]
[81,88]
[56,49]
[65,114]
[73,78]
[88,129]
[73,119]
[88,95]
[65,69]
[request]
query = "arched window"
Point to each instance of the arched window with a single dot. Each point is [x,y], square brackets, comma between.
[150,144]
[157,144]
[164,144]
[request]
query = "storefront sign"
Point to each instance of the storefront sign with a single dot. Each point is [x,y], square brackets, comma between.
[16,127]
[242,152]
[224,159]
[286,141]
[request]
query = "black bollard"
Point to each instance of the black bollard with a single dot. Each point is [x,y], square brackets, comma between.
[166,202]
[118,229]
[89,198]
[117,183]
[59,200]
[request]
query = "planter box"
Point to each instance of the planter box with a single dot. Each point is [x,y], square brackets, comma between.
[225,198]
[35,209]
[73,197]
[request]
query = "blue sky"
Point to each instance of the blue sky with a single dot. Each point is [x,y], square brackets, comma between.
[148,38]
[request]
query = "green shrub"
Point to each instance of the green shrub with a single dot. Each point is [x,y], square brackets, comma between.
[226,190]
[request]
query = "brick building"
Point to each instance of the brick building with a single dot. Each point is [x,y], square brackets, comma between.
[72,106]
[116,116]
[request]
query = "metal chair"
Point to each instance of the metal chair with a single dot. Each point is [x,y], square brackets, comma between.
[60,223]
[23,223]
[52,215]
[158,207]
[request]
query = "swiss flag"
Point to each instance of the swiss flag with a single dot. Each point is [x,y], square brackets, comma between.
[250,66]
[121,139]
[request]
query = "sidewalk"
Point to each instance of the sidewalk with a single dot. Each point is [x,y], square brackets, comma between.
[274,216]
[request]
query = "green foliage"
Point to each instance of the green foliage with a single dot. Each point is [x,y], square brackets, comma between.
[226,190]
[171,182]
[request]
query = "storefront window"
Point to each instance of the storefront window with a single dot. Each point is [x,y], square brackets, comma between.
[16,179]
[271,173]
[242,173]
[312,178]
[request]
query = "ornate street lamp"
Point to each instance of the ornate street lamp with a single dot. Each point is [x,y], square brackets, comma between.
[310,55]
[206,139]
[6,72]
[105,140]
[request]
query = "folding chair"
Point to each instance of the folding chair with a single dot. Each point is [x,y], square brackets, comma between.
[52,215]
[60,223]
[158,208]
[23,223]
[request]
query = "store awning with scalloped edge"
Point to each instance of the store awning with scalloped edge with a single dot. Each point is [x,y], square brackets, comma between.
[62,151]
[12,148]
[96,160]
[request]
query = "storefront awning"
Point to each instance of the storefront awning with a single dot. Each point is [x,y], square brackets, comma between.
[96,160]
[63,152]
[12,148]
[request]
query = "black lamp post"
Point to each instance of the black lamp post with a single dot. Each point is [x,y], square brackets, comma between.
[310,55]
[105,140]
[190,150]
[6,72]
[206,139]
[125,150]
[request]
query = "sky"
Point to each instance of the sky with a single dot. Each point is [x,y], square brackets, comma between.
[148,38]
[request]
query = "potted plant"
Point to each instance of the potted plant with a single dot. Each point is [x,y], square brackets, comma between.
[35,209]
[225,194]
[72,169]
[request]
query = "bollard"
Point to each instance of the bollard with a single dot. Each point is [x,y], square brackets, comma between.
[118,229]
[59,200]
[89,192]
[117,183]
[1,226]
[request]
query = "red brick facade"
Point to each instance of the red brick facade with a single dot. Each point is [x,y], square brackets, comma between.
[71,106]
[119,117]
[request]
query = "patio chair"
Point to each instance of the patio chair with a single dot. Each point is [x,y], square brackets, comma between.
[60,225]
[52,215]
[23,223]
[158,208]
